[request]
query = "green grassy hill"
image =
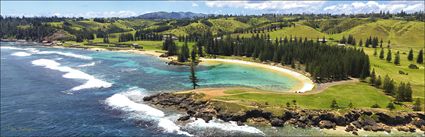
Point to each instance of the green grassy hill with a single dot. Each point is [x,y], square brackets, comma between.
[402,34]
[299,31]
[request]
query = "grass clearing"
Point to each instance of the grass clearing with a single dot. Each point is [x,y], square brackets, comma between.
[360,94]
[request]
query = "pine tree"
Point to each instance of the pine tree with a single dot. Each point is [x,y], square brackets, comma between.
[372,77]
[192,76]
[420,59]
[388,85]
[193,54]
[381,54]
[361,43]
[184,53]
[410,56]
[397,58]
[106,39]
[334,105]
[389,55]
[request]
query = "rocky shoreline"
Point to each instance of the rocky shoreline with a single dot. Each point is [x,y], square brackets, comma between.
[353,120]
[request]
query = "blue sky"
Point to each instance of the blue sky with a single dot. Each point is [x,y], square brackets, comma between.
[133,8]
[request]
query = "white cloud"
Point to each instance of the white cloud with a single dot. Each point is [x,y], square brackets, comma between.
[373,6]
[93,14]
[264,5]
[194,4]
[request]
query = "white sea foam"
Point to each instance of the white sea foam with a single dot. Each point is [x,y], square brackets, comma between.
[8,47]
[91,82]
[21,54]
[123,102]
[87,65]
[35,51]
[66,54]
[225,126]
[119,101]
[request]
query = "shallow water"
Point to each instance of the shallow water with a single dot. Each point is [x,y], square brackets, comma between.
[53,91]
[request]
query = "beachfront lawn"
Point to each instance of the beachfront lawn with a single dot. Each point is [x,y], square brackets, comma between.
[361,95]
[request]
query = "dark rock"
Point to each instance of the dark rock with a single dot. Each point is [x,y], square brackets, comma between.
[257,113]
[326,124]
[365,112]
[412,129]
[300,124]
[355,133]
[394,120]
[289,114]
[352,116]
[184,118]
[357,124]
[340,121]
[277,122]
[403,128]
[418,122]
[191,112]
[349,128]
[239,123]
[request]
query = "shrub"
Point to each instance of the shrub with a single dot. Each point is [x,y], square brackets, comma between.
[375,106]
[413,66]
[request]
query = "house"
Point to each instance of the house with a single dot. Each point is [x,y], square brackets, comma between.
[168,36]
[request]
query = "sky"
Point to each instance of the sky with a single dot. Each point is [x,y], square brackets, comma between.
[90,9]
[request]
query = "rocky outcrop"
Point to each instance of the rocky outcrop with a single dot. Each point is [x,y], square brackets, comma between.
[353,120]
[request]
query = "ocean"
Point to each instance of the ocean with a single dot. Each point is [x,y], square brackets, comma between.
[74,92]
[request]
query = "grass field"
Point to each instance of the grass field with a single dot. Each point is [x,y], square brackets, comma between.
[360,95]
[415,76]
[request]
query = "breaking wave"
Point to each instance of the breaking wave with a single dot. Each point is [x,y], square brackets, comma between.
[71,73]
[21,54]
[66,54]
[231,126]
[87,65]
[139,111]
[35,51]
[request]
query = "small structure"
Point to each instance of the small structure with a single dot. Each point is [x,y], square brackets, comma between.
[322,40]
[217,38]
[340,44]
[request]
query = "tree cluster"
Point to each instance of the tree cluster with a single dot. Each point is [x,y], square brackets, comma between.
[143,35]
[325,63]
[401,93]
[125,37]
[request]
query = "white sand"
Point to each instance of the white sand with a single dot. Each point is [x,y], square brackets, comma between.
[307,83]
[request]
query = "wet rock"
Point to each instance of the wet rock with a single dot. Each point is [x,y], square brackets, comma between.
[239,123]
[326,124]
[355,133]
[276,122]
[184,118]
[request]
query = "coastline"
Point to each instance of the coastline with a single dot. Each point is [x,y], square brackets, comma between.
[306,83]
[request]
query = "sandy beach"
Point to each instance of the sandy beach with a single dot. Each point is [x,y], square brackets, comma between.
[307,83]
